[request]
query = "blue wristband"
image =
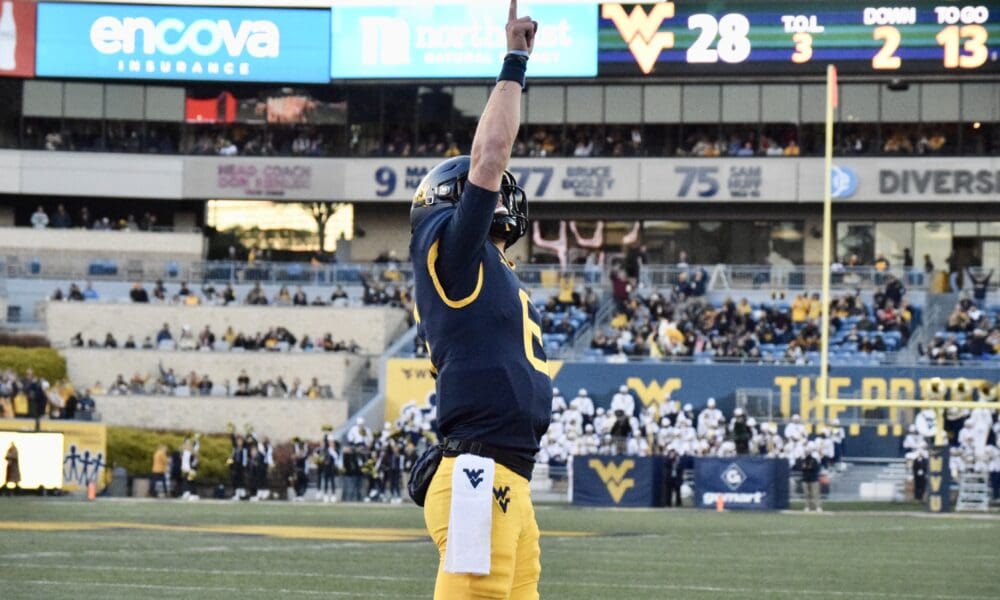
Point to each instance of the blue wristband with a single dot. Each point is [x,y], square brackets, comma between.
[515,66]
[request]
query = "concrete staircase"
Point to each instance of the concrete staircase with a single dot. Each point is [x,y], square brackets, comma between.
[973,492]
[935,317]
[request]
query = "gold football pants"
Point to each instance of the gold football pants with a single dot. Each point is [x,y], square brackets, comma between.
[515,563]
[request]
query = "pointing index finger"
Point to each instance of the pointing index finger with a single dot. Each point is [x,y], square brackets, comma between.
[512,15]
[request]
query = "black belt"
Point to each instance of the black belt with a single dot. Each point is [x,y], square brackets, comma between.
[508,458]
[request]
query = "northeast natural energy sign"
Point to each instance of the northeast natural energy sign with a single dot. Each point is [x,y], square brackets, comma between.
[456,40]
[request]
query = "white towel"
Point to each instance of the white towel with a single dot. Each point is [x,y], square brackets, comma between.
[470,523]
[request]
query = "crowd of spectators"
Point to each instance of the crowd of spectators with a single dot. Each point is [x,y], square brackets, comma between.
[61,219]
[677,433]
[87,136]
[275,339]
[738,145]
[247,141]
[580,140]
[169,383]
[375,294]
[678,322]
[972,333]
[584,141]
[852,141]
[35,397]
[400,142]
[366,465]
[566,312]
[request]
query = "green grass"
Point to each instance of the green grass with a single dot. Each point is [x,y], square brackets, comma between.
[633,554]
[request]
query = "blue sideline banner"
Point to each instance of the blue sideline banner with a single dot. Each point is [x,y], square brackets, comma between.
[743,483]
[631,481]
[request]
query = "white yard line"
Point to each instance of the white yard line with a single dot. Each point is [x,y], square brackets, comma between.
[203,550]
[694,536]
[751,591]
[202,588]
[233,572]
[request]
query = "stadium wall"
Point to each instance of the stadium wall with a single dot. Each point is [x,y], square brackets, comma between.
[92,174]
[378,229]
[106,244]
[86,366]
[280,418]
[387,228]
[373,328]
[583,181]
[792,389]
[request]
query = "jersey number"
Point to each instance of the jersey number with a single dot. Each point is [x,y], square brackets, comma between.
[532,332]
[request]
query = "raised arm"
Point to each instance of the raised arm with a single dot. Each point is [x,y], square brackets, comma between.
[501,119]
[491,147]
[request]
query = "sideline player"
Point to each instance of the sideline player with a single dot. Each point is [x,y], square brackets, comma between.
[483,334]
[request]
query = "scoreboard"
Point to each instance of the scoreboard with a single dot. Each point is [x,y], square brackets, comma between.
[790,37]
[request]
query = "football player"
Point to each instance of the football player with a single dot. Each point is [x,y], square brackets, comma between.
[484,338]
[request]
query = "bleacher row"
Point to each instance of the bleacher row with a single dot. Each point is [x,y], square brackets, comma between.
[574,319]
[843,351]
[985,328]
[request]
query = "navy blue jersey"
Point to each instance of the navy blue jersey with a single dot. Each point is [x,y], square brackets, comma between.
[481,328]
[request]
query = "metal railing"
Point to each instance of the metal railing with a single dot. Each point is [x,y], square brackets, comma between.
[882,358]
[115,227]
[847,415]
[765,277]
[718,278]
[265,273]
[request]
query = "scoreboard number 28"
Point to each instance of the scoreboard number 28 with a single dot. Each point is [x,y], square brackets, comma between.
[733,31]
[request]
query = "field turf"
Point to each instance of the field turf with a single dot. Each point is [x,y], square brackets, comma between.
[54,549]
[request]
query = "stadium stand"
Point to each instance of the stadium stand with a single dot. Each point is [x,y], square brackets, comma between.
[49,252]
[372,327]
[540,141]
[973,333]
[680,322]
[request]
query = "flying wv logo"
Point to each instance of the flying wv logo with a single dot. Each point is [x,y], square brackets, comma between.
[641,31]
[501,495]
[475,476]
[613,476]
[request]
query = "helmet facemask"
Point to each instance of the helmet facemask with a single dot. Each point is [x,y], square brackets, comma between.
[510,221]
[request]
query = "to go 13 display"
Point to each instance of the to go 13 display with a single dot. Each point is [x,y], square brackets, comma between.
[778,37]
